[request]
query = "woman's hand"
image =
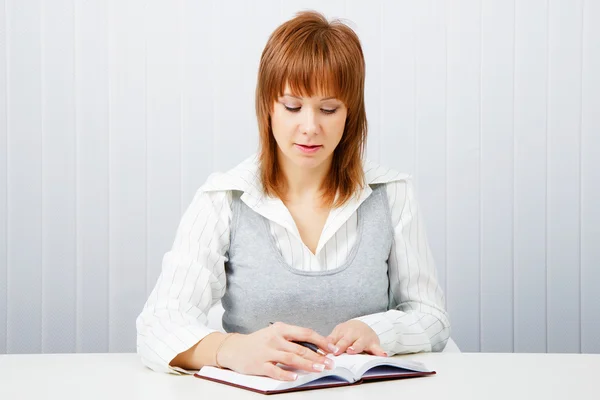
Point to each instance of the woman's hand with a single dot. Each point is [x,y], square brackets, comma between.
[354,337]
[259,352]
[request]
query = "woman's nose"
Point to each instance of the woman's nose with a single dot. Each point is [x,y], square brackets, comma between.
[311,123]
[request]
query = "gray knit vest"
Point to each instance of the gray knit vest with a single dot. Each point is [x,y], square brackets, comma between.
[263,288]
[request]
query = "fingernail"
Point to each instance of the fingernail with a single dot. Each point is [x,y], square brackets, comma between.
[329,363]
[351,348]
[333,348]
[294,376]
[318,367]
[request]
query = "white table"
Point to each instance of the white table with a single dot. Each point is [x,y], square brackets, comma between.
[459,376]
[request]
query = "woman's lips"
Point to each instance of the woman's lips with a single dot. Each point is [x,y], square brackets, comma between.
[308,149]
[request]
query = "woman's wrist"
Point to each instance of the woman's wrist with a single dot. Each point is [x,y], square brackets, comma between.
[201,354]
[223,361]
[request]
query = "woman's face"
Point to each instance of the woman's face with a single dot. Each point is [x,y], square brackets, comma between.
[307,129]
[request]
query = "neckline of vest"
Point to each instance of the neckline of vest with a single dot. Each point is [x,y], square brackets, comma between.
[349,258]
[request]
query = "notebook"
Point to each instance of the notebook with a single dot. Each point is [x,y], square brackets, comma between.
[349,370]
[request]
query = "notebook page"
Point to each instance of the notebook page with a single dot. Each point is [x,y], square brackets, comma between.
[255,382]
[359,363]
[354,362]
[263,383]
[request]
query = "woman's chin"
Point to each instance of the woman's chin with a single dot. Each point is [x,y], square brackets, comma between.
[308,161]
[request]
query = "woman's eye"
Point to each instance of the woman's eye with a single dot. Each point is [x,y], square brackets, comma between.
[323,110]
[292,109]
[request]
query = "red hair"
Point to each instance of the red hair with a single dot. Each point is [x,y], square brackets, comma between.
[313,55]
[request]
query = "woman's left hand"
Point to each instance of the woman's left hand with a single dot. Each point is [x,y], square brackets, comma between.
[354,337]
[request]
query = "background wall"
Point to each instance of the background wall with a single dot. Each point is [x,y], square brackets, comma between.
[112,114]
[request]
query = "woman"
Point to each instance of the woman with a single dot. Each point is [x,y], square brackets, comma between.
[333,251]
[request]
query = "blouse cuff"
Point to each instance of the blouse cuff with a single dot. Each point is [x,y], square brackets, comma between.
[165,349]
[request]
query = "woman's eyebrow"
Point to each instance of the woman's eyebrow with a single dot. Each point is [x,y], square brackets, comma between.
[300,98]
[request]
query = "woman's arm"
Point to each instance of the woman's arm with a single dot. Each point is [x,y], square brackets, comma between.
[172,332]
[202,353]
[419,322]
[173,320]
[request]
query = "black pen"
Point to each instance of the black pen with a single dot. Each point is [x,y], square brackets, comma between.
[308,345]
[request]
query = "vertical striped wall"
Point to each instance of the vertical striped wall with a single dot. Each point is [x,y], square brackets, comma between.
[112,114]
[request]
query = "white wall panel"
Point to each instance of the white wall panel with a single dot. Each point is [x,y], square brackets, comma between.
[463,168]
[366,17]
[564,186]
[233,93]
[497,95]
[398,102]
[3,176]
[430,122]
[92,116]
[127,170]
[590,179]
[24,180]
[531,77]
[163,127]
[198,72]
[59,289]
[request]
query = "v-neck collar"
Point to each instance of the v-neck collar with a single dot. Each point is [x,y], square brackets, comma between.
[245,177]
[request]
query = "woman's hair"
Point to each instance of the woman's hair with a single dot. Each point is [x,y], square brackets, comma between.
[313,55]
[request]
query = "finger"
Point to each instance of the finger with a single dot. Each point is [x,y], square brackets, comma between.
[332,339]
[335,335]
[297,362]
[307,354]
[357,347]
[297,333]
[376,350]
[275,372]
[343,344]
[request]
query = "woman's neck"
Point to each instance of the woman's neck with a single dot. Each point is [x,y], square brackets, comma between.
[303,183]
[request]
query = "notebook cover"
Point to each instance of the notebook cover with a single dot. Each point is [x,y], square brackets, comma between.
[395,376]
[369,379]
[295,389]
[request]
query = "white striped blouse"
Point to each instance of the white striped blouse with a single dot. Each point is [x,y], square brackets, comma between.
[193,275]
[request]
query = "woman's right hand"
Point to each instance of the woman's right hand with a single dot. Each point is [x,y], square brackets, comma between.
[259,353]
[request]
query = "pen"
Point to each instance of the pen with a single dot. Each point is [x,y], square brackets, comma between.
[311,346]
[308,345]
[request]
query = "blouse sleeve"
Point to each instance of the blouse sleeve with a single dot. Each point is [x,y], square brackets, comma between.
[419,322]
[192,279]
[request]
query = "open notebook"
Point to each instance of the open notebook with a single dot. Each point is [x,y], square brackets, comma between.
[349,370]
